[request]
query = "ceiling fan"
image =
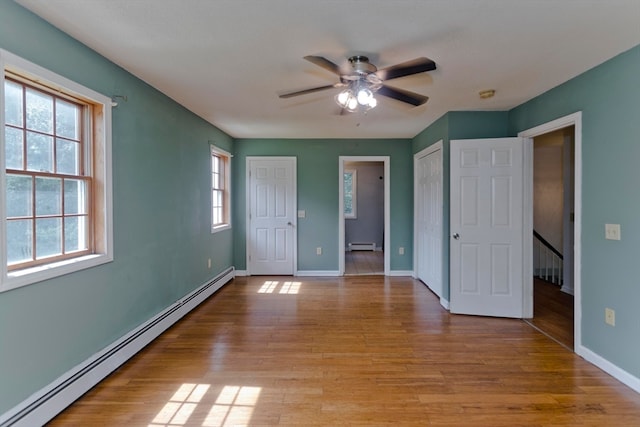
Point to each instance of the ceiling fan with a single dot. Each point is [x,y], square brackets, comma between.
[363,79]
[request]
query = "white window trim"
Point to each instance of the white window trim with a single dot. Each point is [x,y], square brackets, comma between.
[217,150]
[354,194]
[14,279]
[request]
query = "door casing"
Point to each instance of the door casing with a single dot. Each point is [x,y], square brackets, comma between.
[575,120]
[387,221]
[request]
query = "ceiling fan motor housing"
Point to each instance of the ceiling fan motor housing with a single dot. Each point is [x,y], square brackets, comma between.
[361,65]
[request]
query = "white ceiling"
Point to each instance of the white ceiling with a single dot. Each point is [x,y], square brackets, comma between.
[227,60]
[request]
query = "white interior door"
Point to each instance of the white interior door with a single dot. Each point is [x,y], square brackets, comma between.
[271,219]
[486,224]
[428,202]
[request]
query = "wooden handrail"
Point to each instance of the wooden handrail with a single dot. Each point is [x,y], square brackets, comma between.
[546,244]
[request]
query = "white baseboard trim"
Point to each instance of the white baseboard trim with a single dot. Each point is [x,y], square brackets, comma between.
[611,369]
[401,273]
[567,290]
[242,273]
[46,403]
[444,303]
[317,273]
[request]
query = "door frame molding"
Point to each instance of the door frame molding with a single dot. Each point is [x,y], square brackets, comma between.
[387,211]
[439,145]
[575,120]
[248,161]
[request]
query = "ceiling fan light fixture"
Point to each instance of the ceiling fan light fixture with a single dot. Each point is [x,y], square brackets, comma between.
[364,96]
[343,98]
[358,96]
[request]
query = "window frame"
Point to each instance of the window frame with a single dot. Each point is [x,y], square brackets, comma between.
[354,194]
[97,159]
[215,151]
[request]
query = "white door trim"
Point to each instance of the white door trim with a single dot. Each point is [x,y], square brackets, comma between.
[387,216]
[416,158]
[248,161]
[575,120]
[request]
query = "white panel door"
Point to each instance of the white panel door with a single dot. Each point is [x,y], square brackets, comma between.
[429,220]
[486,218]
[272,208]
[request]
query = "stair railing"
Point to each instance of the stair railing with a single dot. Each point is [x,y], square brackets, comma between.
[547,260]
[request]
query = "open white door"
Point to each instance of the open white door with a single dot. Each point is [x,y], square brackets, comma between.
[486,225]
[271,218]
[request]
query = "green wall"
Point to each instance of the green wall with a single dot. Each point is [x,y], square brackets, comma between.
[457,125]
[318,179]
[162,238]
[609,98]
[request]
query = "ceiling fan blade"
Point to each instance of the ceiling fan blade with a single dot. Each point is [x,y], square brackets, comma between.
[418,65]
[324,63]
[403,95]
[310,90]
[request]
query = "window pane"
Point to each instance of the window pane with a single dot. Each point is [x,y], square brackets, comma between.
[48,237]
[348,204]
[216,181]
[19,195]
[75,234]
[67,119]
[39,111]
[74,197]
[19,243]
[13,148]
[67,157]
[12,103]
[217,198]
[215,164]
[48,196]
[217,216]
[39,152]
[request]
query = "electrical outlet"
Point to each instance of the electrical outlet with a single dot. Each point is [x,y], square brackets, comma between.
[610,316]
[401,250]
[209,263]
[318,250]
[612,231]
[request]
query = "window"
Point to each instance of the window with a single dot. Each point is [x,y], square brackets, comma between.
[350,185]
[220,191]
[56,175]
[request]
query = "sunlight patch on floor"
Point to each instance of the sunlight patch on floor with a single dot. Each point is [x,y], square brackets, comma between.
[181,405]
[234,406]
[270,287]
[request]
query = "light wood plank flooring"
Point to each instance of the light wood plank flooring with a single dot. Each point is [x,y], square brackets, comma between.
[358,263]
[355,351]
[553,312]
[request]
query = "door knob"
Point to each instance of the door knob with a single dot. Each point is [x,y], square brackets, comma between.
[289,223]
[456,236]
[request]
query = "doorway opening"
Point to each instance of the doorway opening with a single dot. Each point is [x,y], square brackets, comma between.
[553,213]
[555,170]
[364,215]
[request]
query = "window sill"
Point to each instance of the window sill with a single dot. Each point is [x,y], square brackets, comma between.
[219,228]
[27,276]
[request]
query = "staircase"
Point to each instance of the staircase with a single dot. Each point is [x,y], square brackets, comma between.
[547,260]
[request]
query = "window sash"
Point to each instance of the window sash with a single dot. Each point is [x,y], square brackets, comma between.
[220,197]
[350,193]
[52,129]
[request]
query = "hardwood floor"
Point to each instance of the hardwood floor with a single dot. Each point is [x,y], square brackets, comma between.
[553,312]
[355,351]
[357,263]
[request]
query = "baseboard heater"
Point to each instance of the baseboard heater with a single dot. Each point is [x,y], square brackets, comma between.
[362,246]
[52,399]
